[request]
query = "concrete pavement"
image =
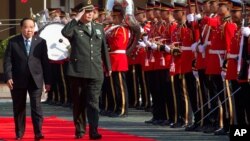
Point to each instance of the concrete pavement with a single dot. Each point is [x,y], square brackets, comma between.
[133,124]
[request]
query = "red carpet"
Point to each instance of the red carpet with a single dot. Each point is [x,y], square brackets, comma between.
[55,129]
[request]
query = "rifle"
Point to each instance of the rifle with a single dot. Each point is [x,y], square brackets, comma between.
[242,68]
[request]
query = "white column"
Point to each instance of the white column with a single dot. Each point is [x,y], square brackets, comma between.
[44,4]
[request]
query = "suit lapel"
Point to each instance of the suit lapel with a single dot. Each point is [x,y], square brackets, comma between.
[33,45]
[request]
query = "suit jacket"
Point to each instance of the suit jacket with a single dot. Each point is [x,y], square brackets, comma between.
[89,53]
[19,66]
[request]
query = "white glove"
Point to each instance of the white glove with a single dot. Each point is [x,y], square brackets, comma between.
[145,38]
[197,17]
[194,46]
[142,44]
[153,46]
[190,17]
[148,43]
[79,15]
[167,48]
[196,75]
[223,75]
[208,43]
[245,31]
[201,48]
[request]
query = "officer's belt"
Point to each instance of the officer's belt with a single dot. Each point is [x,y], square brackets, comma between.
[183,48]
[232,56]
[212,51]
[119,51]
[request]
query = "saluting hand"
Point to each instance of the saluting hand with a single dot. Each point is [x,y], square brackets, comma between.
[79,15]
[10,84]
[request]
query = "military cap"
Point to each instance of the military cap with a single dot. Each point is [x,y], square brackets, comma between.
[236,5]
[225,2]
[157,5]
[166,6]
[63,14]
[179,6]
[54,10]
[117,10]
[85,4]
[150,5]
[139,10]
[101,11]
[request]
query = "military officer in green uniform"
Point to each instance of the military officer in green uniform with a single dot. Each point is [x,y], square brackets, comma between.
[88,59]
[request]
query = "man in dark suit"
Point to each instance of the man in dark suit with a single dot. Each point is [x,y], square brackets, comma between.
[88,56]
[26,68]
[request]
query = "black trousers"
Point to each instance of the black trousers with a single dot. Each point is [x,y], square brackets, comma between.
[133,83]
[18,96]
[166,94]
[57,92]
[192,94]
[159,102]
[215,86]
[85,97]
[180,99]
[119,86]
[146,94]
[241,98]
[203,96]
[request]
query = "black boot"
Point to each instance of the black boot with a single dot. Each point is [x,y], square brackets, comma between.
[93,133]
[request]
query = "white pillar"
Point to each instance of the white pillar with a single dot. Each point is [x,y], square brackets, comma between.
[44,4]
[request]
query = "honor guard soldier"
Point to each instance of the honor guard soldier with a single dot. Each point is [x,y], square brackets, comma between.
[117,41]
[136,89]
[155,86]
[183,64]
[239,79]
[140,54]
[200,65]
[166,60]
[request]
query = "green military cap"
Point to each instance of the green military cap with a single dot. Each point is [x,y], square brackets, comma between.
[85,4]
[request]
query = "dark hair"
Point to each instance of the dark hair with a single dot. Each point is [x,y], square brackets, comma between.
[25,19]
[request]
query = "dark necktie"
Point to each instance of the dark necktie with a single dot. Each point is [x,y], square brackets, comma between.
[27,46]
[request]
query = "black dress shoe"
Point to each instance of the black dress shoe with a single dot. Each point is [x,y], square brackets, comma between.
[157,122]
[209,129]
[220,131]
[165,123]
[18,138]
[95,136]
[78,136]
[191,127]
[39,137]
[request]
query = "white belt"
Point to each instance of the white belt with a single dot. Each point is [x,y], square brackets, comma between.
[211,51]
[119,51]
[183,48]
[232,56]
